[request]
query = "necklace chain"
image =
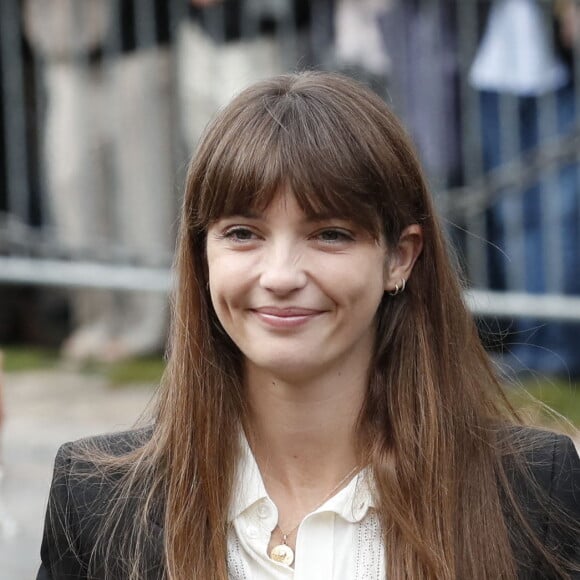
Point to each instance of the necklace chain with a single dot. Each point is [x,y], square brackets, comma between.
[285,535]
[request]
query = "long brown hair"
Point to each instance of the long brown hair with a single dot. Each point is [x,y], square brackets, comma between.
[433,425]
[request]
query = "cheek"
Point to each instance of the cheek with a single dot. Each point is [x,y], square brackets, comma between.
[217,276]
[361,284]
[366,299]
[228,286]
[221,290]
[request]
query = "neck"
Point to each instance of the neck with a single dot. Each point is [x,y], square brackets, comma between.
[304,433]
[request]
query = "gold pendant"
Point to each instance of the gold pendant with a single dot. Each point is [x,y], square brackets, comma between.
[282,553]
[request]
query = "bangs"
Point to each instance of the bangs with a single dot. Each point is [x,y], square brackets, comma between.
[261,145]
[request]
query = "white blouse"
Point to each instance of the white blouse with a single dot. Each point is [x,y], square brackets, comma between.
[340,540]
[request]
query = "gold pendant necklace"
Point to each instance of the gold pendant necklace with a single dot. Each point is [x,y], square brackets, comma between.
[282,552]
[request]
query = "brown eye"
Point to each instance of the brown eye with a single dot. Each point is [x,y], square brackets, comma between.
[240,234]
[333,236]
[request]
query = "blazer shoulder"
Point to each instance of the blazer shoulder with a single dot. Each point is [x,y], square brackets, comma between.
[544,471]
[549,459]
[80,462]
[88,469]
[83,488]
[562,526]
[116,444]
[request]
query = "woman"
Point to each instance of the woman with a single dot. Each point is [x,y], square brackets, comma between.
[328,410]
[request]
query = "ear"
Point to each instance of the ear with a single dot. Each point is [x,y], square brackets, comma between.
[402,257]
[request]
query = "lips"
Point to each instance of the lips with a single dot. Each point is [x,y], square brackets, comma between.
[286,312]
[290,317]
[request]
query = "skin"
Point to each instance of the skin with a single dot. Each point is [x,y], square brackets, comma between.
[299,298]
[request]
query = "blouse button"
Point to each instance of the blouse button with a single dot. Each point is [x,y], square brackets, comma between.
[252,532]
[360,510]
[263,511]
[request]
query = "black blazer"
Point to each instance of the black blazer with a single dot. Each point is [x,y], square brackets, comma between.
[77,503]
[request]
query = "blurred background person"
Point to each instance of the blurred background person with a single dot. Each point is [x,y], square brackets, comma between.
[224,45]
[400,48]
[420,37]
[108,157]
[527,96]
[359,46]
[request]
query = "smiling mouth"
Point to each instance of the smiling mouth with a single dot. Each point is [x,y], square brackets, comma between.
[290,317]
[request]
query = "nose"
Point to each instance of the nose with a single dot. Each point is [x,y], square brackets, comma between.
[282,271]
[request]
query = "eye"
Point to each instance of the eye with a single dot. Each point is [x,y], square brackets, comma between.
[334,236]
[239,234]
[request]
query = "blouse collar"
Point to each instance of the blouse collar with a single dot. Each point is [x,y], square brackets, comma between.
[351,503]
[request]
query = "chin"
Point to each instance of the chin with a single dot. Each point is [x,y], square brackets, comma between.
[289,369]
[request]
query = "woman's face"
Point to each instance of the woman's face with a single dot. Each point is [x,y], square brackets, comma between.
[298,297]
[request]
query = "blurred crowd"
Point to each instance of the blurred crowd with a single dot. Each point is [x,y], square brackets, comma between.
[129,85]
